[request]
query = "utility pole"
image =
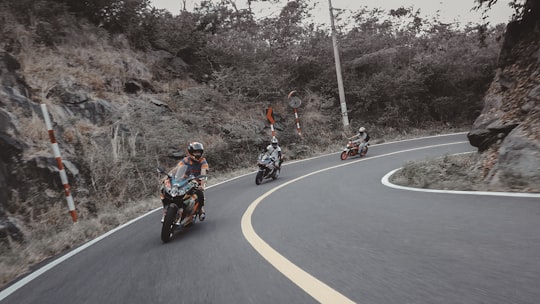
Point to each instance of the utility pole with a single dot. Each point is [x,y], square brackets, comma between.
[338,70]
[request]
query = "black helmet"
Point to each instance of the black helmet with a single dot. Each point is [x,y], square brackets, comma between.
[195,150]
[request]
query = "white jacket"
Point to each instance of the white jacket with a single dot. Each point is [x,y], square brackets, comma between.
[274,153]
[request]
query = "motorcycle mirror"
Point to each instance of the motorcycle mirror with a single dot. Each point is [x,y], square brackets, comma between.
[176,155]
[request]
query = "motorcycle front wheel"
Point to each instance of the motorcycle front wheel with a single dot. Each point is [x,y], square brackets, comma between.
[168,223]
[259,177]
[344,155]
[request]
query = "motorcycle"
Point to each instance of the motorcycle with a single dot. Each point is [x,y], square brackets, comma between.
[352,149]
[267,169]
[180,199]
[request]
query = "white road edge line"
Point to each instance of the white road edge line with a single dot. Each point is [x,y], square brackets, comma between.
[311,285]
[386,181]
[9,290]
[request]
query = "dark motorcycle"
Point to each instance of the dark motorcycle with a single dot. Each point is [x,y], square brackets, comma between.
[267,168]
[352,149]
[180,199]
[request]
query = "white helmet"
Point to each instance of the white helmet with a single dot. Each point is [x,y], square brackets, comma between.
[274,142]
[361,130]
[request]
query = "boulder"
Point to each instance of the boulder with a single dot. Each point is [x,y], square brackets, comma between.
[484,138]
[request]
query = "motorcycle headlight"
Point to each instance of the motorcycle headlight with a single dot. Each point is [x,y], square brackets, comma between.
[173,191]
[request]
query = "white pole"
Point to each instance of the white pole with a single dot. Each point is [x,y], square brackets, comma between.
[63,175]
[338,70]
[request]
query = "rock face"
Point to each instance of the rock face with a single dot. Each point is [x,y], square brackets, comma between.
[507,132]
[28,170]
[11,147]
[10,151]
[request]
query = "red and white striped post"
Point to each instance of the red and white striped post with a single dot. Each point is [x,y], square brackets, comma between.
[297,122]
[63,175]
[270,117]
[295,102]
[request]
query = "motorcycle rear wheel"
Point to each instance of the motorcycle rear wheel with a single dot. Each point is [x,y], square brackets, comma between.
[259,177]
[167,229]
[344,155]
[364,152]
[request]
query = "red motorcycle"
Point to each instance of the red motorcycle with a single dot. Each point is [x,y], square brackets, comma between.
[352,149]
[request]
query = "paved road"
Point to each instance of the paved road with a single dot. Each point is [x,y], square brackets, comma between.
[339,228]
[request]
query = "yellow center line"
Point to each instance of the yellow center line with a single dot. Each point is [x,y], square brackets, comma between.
[311,285]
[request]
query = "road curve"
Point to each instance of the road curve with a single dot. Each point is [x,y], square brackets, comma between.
[339,227]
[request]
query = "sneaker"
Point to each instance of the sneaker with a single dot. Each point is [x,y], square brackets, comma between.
[163,215]
[188,221]
[178,222]
[202,216]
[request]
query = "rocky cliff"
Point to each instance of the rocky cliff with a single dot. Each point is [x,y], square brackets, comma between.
[12,98]
[507,132]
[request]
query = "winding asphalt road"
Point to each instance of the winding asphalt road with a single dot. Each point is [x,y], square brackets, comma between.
[325,231]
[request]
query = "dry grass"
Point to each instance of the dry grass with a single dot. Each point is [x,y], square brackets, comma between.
[33,128]
[56,233]
[448,173]
[94,63]
[463,172]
